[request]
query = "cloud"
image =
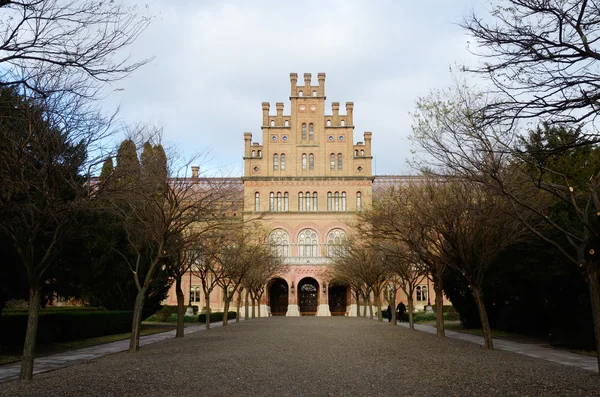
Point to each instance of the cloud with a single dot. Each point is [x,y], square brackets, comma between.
[215,62]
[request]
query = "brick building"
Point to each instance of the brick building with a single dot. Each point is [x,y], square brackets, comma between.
[309,179]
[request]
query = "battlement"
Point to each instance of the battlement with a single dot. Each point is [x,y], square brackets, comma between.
[340,120]
[307,89]
[277,121]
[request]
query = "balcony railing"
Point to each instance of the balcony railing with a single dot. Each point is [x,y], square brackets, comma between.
[304,254]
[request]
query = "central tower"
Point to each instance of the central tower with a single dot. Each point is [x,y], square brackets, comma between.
[309,179]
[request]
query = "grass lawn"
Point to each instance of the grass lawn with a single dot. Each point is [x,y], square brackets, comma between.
[9,354]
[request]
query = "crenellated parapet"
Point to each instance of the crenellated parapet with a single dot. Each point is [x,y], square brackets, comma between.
[340,120]
[307,90]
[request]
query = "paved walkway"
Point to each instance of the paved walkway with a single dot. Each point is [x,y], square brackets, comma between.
[72,357]
[528,349]
[311,356]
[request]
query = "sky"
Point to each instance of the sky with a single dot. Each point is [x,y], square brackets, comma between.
[215,62]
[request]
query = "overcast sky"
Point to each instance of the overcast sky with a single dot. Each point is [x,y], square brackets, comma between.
[216,61]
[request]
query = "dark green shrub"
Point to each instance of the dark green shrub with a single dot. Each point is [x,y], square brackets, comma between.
[64,326]
[165,312]
[186,319]
[216,316]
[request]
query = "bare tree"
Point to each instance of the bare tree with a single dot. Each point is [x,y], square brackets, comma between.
[404,215]
[453,137]
[83,39]
[543,59]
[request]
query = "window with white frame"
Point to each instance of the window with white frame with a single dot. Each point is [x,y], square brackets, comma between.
[308,243]
[279,241]
[335,240]
[257,201]
[303,161]
[282,158]
[275,162]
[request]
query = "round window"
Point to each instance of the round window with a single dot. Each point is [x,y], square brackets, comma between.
[284,138]
[273,138]
[341,138]
[255,169]
[330,137]
[359,168]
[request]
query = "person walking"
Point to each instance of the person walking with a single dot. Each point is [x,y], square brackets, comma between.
[401,309]
[389,313]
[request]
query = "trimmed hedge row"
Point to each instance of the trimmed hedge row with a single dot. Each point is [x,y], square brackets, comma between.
[64,326]
[217,316]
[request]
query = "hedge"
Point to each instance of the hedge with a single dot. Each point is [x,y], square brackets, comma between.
[216,316]
[64,326]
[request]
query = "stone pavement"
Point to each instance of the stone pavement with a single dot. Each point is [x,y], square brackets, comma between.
[528,349]
[72,357]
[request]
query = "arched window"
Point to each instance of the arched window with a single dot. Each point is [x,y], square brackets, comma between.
[336,201]
[343,201]
[314,93]
[419,297]
[332,161]
[257,201]
[424,293]
[328,123]
[253,153]
[329,202]
[335,240]
[300,202]
[339,161]
[311,132]
[260,153]
[286,123]
[358,201]
[304,161]
[362,152]
[303,131]
[275,162]
[308,201]
[279,241]
[356,153]
[342,123]
[272,123]
[308,243]
[271,201]
[279,201]
[286,201]
[282,162]
[299,93]
[311,161]
[315,202]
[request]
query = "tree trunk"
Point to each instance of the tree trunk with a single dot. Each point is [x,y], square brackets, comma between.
[393,305]
[258,299]
[365,304]
[207,305]
[370,307]
[378,305]
[439,306]
[485,324]
[357,305]
[247,306]
[180,307]
[140,300]
[253,308]
[33,317]
[239,305]
[225,311]
[411,308]
[592,281]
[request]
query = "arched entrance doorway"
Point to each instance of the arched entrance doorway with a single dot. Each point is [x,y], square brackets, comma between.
[338,296]
[308,296]
[278,297]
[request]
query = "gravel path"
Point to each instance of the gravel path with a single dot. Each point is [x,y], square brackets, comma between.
[312,356]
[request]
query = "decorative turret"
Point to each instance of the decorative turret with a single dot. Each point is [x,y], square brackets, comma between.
[349,113]
[294,81]
[321,90]
[265,109]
